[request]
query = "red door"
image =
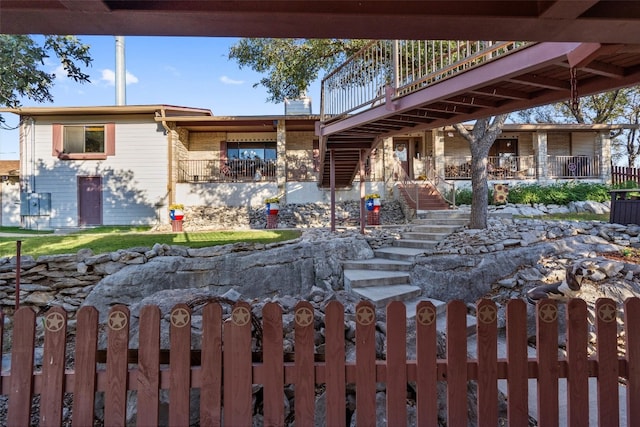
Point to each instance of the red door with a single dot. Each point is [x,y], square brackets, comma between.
[89,200]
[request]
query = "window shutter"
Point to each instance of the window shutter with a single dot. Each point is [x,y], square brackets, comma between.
[110,139]
[57,145]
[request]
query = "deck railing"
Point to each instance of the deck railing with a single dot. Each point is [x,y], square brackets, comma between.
[498,167]
[228,368]
[386,69]
[574,166]
[230,171]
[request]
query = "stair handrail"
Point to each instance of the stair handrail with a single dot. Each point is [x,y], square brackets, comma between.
[431,178]
[438,182]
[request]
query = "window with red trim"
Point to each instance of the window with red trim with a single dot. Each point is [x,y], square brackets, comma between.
[83,142]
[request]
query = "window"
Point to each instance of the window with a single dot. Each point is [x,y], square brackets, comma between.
[251,150]
[83,139]
[83,142]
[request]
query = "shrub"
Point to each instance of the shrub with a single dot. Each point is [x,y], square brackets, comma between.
[557,194]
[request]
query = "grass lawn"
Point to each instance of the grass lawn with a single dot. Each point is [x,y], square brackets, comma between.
[109,239]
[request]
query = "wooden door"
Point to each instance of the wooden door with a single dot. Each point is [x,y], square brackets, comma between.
[89,200]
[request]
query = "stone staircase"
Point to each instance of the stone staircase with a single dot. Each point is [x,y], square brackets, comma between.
[386,277]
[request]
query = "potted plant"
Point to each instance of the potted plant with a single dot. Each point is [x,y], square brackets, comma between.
[372,202]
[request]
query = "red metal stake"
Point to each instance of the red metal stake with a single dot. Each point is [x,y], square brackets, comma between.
[18,245]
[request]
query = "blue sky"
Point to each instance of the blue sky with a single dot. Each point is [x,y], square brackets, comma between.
[184,71]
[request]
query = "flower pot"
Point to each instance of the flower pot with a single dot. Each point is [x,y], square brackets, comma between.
[176,214]
[376,205]
[373,204]
[273,208]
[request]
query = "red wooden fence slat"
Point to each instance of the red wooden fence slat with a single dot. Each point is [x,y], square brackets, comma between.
[396,364]
[426,370]
[180,365]
[148,378]
[456,363]
[2,390]
[304,364]
[547,353]
[273,355]
[55,325]
[487,339]
[21,368]
[607,357]
[517,361]
[365,364]
[84,384]
[632,346]
[578,376]
[335,371]
[211,390]
[237,367]
[115,402]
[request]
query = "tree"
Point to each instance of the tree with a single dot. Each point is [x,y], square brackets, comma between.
[480,139]
[22,61]
[291,65]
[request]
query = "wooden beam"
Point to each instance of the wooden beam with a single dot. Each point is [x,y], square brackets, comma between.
[540,81]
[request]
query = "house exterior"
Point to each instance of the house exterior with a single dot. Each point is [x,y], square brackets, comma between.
[117,165]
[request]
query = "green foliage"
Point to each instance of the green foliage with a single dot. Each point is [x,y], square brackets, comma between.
[556,194]
[291,65]
[22,61]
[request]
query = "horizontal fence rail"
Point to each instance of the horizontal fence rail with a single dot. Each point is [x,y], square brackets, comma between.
[404,66]
[574,166]
[230,171]
[228,369]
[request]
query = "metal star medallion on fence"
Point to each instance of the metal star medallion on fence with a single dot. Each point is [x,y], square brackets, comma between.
[426,315]
[365,315]
[607,313]
[304,316]
[117,320]
[180,317]
[548,313]
[487,314]
[241,316]
[54,322]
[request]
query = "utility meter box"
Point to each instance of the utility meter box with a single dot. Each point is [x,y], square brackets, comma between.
[35,204]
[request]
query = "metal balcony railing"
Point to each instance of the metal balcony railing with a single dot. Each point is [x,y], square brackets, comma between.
[391,68]
[574,166]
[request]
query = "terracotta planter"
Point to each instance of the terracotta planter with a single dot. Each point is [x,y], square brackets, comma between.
[176,214]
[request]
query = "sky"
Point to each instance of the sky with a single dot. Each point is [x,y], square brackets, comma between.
[183,71]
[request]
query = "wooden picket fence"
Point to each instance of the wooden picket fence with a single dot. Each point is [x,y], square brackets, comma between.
[226,370]
[621,175]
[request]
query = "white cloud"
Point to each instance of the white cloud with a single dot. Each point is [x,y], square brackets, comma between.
[109,77]
[172,70]
[229,81]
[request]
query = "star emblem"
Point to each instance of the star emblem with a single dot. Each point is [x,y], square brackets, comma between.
[370,204]
[180,317]
[365,315]
[304,316]
[607,313]
[426,315]
[487,314]
[548,313]
[54,322]
[241,316]
[117,320]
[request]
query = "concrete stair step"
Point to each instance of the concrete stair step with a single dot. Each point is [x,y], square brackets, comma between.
[443,222]
[369,278]
[412,305]
[377,264]
[398,253]
[380,296]
[450,214]
[415,244]
[436,228]
[420,235]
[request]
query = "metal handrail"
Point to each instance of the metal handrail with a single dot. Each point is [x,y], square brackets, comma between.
[385,69]
[430,178]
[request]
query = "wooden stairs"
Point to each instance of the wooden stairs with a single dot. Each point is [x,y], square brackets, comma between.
[422,197]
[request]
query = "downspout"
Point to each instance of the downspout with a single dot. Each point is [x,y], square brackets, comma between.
[170,181]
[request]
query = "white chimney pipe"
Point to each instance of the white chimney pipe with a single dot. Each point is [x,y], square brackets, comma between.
[121,78]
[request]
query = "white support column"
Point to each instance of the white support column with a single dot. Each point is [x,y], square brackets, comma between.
[540,150]
[281,160]
[603,149]
[437,136]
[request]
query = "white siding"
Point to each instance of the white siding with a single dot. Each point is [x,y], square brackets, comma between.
[134,180]
[10,203]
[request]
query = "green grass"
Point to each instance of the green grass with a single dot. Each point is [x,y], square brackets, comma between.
[111,239]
